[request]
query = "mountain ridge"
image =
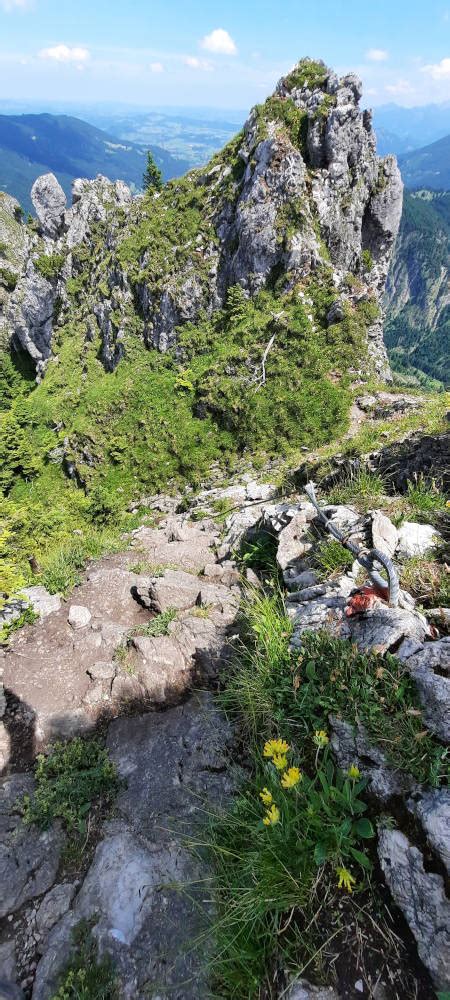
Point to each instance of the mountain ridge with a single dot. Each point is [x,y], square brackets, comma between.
[33,144]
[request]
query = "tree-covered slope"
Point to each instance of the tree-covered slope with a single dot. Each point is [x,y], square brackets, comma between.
[31,145]
[428,167]
[226,315]
[417,331]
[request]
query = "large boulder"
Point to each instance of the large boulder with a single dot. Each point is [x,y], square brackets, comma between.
[50,203]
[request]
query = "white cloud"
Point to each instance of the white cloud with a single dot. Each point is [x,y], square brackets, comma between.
[65,54]
[156,67]
[194,63]
[438,71]
[399,89]
[377,55]
[10,5]
[220,42]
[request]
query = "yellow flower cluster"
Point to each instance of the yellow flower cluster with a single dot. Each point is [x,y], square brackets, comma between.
[272,816]
[354,772]
[320,738]
[291,777]
[345,879]
[277,750]
[266,797]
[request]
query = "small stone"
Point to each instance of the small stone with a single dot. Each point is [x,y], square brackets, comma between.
[416,539]
[78,616]
[359,986]
[102,670]
[384,534]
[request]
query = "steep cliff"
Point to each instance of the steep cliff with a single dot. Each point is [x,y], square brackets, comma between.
[417,296]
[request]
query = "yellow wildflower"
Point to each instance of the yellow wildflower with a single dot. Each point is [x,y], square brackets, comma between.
[320,738]
[266,797]
[353,771]
[280,761]
[272,816]
[291,777]
[345,878]
[273,747]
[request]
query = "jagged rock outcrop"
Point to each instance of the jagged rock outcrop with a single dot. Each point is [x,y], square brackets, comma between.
[301,190]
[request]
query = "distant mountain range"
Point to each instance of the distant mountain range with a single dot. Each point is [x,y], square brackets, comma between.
[400,130]
[31,145]
[417,332]
[428,167]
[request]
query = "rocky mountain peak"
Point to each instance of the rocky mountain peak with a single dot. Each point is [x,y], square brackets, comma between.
[300,190]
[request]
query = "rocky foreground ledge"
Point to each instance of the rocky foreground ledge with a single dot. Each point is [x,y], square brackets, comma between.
[63,677]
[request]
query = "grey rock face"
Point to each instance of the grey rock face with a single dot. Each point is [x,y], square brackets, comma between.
[384,533]
[42,602]
[383,628]
[29,857]
[433,688]
[53,906]
[432,809]
[29,315]
[263,221]
[50,203]
[144,892]
[79,616]
[353,746]
[421,897]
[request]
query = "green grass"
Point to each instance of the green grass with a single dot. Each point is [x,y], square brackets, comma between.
[424,497]
[69,780]
[157,626]
[363,489]
[146,568]
[62,570]
[331,557]
[49,265]
[99,412]
[427,580]
[86,977]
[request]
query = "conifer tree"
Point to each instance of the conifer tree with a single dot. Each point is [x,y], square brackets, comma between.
[152,177]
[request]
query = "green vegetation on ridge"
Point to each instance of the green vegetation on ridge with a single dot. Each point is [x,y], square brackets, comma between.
[155,421]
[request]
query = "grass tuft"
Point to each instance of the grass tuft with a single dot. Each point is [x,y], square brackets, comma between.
[86,977]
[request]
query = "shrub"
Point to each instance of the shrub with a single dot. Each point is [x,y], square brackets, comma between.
[68,780]
[8,279]
[49,265]
[104,506]
[367,260]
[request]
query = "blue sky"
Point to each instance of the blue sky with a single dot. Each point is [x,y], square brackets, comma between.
[193,52]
